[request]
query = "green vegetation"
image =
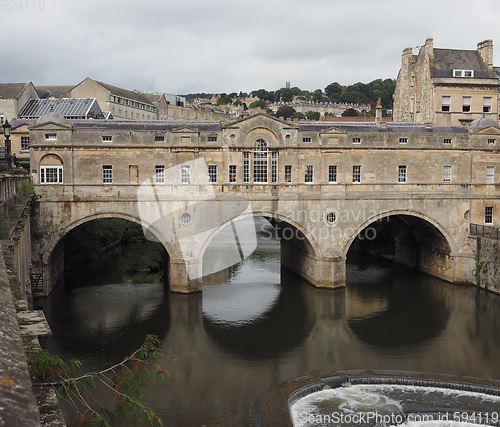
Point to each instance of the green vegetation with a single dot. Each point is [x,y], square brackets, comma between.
[357,93]
[91,239]
[127,380]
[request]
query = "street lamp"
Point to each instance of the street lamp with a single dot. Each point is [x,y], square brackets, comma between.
[6,133]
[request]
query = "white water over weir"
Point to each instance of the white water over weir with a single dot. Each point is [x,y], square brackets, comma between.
[394,401]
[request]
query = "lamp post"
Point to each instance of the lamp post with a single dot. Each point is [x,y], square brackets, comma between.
[6,133]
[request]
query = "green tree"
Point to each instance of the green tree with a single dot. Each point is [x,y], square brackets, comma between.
[313,115]
[284,94]
[317,95]
[333,89]
[285,112]
[298,115]
[350,112]
[127,380]
[224,99]
[258,104]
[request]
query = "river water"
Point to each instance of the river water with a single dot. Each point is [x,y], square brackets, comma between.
[259,326]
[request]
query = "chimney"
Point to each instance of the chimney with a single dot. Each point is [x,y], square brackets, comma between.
[485,49]
[378,111]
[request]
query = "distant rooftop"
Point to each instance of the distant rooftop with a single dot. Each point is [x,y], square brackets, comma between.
[11,90]
[53,91]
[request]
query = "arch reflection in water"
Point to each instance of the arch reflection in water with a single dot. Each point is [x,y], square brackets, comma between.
[253,314]
[387,307]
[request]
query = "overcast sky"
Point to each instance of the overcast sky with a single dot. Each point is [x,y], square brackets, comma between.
[187,46]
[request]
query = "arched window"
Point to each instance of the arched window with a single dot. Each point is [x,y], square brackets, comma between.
[260,160]
[51,170]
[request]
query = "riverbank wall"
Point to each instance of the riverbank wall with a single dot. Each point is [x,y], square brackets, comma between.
[487,270]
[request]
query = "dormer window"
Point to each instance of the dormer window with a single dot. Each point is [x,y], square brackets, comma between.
[463,73]
[50,136]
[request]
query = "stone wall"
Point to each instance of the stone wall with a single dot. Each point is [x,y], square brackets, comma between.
[488,264]
[18,404]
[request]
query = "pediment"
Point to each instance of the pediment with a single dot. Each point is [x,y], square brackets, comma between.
[50,126]
[490,130]
[260,118]
[333,131]
[186,129]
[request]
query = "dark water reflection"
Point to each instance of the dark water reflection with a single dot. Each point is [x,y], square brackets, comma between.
[227,346]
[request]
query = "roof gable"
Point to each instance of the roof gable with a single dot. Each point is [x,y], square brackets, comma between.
[260,114]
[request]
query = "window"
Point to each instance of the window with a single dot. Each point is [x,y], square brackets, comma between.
[466,104]
[447,141]
[246,166]
[212,139]
[186,174]
[446,103]
[260,154]
[463,73]
[212,173]
[356,173]
[25,143]
[447,174]
[332,173]
[107,174]
[488,215]
[331,217]
[306,139]
[51,174]
[487,104]
[50,136]
[288,173]
[309,172]
[107,138]
[159,174]
[402,174]
[491,141]
[274,166]
[232,173]
[403,140]
[159,138]
[356,140]
[490,174]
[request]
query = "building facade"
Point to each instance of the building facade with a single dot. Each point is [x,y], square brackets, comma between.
[445,86]
[322,183]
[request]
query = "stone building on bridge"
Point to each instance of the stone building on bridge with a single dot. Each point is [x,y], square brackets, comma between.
[321,185]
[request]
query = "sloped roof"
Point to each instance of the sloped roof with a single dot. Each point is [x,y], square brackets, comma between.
[447,60]
[11,90]
[66,107]
[53,91]
[399,127]
[124,93]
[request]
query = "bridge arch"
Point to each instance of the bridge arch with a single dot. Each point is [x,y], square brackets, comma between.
[307,239]
[421,242]
[67,227]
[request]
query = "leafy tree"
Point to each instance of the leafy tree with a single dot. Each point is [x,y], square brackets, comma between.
[127,380]
[284,94]
[313,115]
[258,104]
[317,95]
[224,99]
[264,95]
[332,89]
[350,112]
[285,111]
[243,95]
[298,115]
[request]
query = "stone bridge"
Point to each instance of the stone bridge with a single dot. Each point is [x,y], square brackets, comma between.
[320,186]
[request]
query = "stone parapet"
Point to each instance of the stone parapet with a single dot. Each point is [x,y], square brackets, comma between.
[18,405]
